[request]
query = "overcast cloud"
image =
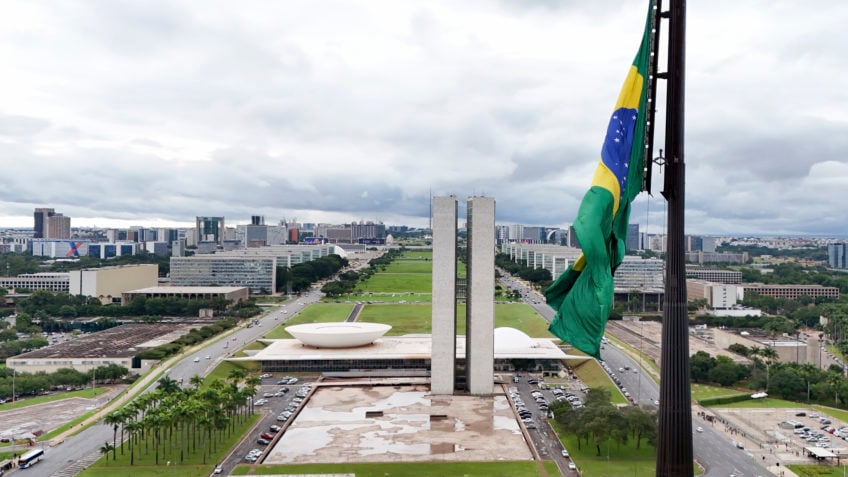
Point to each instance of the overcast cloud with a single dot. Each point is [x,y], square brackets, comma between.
[153,112]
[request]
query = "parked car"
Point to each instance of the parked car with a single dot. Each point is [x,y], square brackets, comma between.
[263,442]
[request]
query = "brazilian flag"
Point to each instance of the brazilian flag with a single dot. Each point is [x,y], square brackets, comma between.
[583,294]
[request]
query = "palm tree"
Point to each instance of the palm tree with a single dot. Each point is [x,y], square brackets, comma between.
[770,356]
[168,385]
[236,375]
[196,381]
[106,448]
[114,418]
[133,427]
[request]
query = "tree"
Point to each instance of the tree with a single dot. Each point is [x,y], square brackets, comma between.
[106,448]
[114,418]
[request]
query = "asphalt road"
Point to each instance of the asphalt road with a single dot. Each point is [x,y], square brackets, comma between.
[76,452]
[711,448]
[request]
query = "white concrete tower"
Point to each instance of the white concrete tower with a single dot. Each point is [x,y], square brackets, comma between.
[443,359]
[480,296]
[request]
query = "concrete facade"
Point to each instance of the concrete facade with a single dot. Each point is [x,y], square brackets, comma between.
[480,304]
[108,283]
[443,364]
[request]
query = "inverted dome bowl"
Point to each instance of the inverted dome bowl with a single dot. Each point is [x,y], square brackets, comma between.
[338,335]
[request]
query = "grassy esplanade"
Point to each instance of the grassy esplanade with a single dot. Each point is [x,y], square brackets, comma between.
[594,376]
[88,393]
[411,469]
[615,460]
[325,313]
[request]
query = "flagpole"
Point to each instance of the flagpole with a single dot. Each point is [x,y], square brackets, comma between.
[674,452]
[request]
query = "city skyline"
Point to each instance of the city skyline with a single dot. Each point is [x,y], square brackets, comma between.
[124,114]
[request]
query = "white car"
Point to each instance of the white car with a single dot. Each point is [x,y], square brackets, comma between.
[571,466]
[700,429]
[565,453]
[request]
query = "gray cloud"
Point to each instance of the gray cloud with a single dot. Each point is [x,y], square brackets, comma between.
[127,110]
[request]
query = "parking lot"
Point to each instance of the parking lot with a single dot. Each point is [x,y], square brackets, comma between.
[531,397]
[274,398]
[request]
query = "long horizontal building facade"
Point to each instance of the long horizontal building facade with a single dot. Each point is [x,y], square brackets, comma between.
[54,282]
[233,294]
[792,292]
[553,258]
[253,268]
[714,274]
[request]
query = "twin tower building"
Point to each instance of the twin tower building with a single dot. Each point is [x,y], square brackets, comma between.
[449,373]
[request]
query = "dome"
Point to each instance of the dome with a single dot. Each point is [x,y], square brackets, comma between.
[339,334]
[511,338]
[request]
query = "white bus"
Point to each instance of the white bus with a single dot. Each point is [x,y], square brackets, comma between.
[30,457]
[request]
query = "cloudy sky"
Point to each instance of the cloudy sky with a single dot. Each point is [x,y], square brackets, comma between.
[152,112]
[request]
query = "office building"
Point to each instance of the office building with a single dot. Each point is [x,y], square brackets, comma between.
[636,273]
[553,258]
[837,255]
[108,283]
[47,224]
[210,229]
[480,306]
[40,216]
[55,282]
[714,274]
[792,292]
[443,361]
[59,248]
[634,242]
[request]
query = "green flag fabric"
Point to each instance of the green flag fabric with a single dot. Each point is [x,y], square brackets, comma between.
[583,294]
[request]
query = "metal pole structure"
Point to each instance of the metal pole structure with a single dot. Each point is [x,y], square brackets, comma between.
[674,452]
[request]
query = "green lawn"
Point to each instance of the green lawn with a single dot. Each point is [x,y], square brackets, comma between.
[323,313]
[404,319]
[410,266]
[704,391]
[616,460]
[411,469]
[840,414]
[522,317]
[594,376]
[145,462]
[819,470]
[385,282]
[85,393]
[223,370]
[763,403]
[416,255]
[381,298]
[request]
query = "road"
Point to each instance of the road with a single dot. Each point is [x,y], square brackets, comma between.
[78,451]
[712,449]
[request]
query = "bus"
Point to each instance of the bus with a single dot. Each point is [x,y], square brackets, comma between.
[29,458]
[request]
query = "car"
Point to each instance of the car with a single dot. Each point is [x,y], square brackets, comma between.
[218,470]
[265,435]
[700,429]
[196,360]
[263,442]
[565,453]
[739,445]
[571,466]
[275,428]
